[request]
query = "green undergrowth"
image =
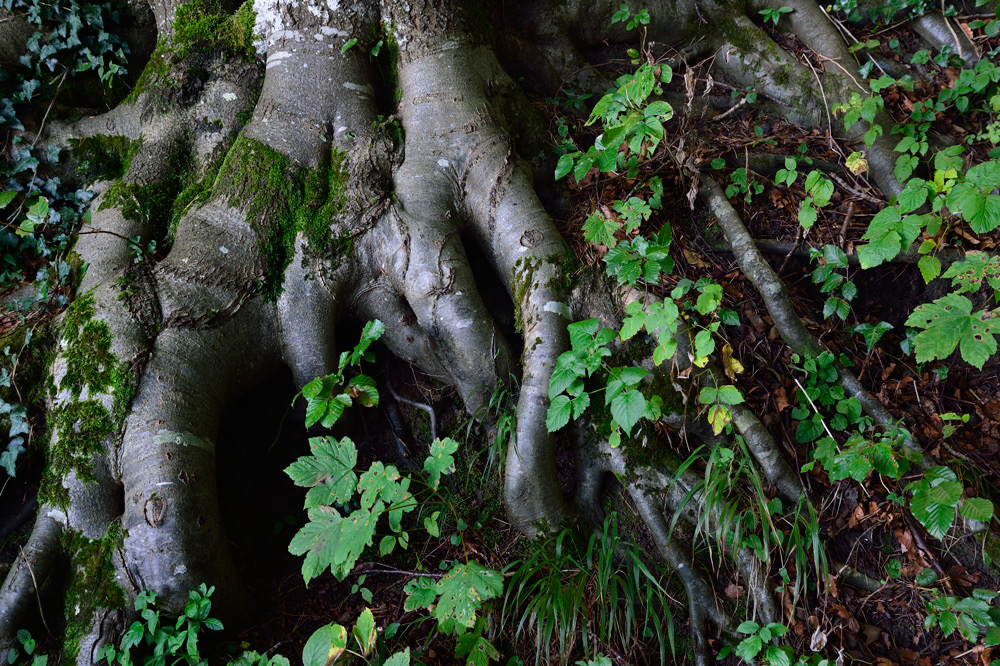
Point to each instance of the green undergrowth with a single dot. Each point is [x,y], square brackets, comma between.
[283,201]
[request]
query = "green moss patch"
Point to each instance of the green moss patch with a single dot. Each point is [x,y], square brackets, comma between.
[82,427]
[92,584]
[104,157]
[202,30]
[283,200]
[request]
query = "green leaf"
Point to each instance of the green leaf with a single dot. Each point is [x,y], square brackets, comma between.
[477,650]
[365,631]
[948,323]
[565,164]
[440,460]
[326,643]
[977,508]
[730,395]
[331,466]
[948,623]
[420,593]
[930,268]
[749,648]
[399,659]
[462,593]
[559,413]
[935,517]
[913,197]
[807,213]
[709,299]
[969,274]
[600,230]
[6,197]
[330,540]
[372,331]
[363,390]
[431,524]
[627,408]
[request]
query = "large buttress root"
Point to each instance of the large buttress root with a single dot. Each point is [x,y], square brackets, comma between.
[318,213]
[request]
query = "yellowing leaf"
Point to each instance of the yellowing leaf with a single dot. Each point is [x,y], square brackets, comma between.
[857,163]
[718,417]
[729,362]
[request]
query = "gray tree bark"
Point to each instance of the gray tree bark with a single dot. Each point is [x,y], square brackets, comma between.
[256,278]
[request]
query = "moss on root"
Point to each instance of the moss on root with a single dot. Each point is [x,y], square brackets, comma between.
[522,282]
[80,428]
[284,201]
[92,584]
[202,30]
[102,157]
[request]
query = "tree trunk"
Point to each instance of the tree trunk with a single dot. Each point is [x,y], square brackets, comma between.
[319,184]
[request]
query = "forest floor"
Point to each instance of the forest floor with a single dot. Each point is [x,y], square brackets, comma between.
[862,527]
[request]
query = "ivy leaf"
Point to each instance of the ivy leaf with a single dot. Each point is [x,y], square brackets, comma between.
[6,197]
[627,408]
[440,460]
[462,592]
[949,322]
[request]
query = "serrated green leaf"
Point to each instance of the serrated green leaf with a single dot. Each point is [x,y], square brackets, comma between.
[440,460]
[730,395]
[399,659]
[421,593]
[627,408]
[949,323]
[331,465]
[560,409]
[749,648]
[977,508]
[477,650]
[462,592]
[930,268]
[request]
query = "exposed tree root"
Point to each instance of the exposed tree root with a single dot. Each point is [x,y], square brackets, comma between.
[325,207]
